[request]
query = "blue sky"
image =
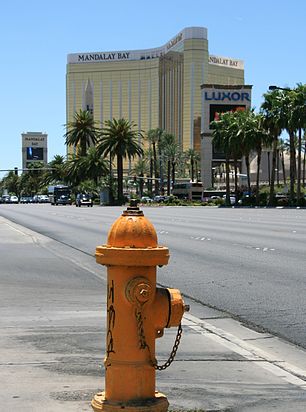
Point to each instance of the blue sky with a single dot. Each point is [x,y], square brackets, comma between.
[36,36]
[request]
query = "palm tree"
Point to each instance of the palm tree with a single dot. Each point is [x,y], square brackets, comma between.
[252,137]
[236,142]
[73,173]
[56,172]
[148,156]
[92,166]
[170,150]
[304,158]
[245,135]
[120,139]
[289,112]
[194,158]
[82,131]
[79,168]
[11,182]
[282,147]
[32,180]
[154,137]
[221,139]
[141,168]
[299,119]
[274,119]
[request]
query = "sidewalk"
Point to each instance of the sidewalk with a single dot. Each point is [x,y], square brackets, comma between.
[52,341]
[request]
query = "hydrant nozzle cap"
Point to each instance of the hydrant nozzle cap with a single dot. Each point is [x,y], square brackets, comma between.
[132,210]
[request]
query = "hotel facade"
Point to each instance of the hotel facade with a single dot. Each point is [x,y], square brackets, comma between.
[155,88]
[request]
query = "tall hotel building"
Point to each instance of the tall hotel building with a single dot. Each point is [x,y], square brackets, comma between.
[158,87]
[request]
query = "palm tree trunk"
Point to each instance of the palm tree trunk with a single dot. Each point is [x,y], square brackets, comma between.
[283,167]
[274,155]
[277,167]
[269,168]
[150,181]
[120,179]
[259,151]
[304,164]
[156,174]
[168,176]
[192,168]
[247,164]
[141,185]
[173,174]
[298,188]
[227,180]
[111,192]
[292,166]
[161,172]
[236,178]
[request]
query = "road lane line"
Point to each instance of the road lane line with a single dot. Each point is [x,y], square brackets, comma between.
[280,368]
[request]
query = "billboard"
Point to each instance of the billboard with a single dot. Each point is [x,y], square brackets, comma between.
[214,111]
[35,153]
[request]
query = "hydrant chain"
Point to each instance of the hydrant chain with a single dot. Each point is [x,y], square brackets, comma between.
[143,344]
[173,352]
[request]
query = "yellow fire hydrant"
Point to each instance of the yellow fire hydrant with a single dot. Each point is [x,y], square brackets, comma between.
[137,313]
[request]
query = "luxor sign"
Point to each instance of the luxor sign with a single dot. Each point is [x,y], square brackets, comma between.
[228,96]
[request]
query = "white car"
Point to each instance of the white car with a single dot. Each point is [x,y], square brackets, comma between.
[146,199]
[43,199]
[14,199]
[232,199]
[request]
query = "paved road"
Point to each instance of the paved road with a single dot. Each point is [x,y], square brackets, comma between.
[247,262]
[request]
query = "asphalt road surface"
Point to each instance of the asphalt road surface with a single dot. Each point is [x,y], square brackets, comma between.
[247,262]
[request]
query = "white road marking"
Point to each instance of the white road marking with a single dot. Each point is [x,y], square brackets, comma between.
[280,368]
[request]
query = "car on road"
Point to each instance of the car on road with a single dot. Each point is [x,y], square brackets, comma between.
[26,199]
[232,199]
[5,199]
[43,199]
[146,199]
[63,200]
[83,199]
[14,199]
[160,199]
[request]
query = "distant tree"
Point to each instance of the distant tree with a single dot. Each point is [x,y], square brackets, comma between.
[193,157]
[82,132]
[11,182]
[56,171]
[120,139]
[299,119]
[154,137]
[222,138]
[140,168]
[274,120]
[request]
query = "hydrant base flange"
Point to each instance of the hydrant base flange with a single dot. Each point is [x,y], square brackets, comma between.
[157,404]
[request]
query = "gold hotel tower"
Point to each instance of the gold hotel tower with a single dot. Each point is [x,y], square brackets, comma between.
[159,87]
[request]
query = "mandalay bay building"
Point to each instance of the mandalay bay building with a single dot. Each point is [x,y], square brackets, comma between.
[155,88]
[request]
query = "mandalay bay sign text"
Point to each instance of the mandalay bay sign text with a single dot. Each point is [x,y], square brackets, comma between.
[103,56]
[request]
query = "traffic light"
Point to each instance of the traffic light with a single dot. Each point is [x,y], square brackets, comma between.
[16,171]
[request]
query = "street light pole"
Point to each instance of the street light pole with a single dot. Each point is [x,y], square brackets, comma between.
[287,89]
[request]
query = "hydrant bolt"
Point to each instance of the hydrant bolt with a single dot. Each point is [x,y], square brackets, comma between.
[139,289]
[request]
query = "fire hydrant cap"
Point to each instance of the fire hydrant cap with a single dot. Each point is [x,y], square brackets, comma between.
[132,241]
[132,229]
